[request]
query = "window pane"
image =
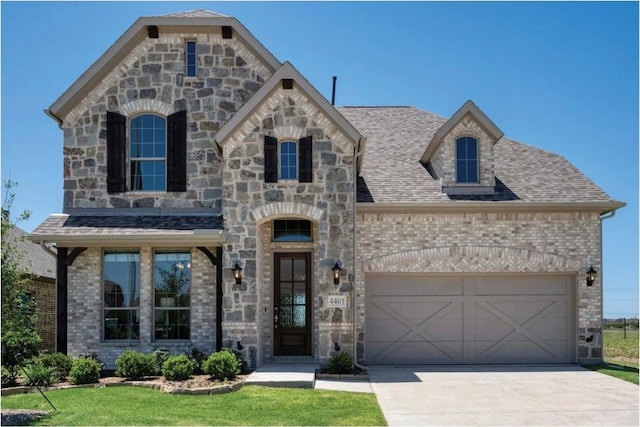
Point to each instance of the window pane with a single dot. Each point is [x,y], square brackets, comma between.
[147,153]
[121,295]
[172,278]
[191,58]
[172,324]
[292,230]
[461,171]
[472,149]
[472,171]
[288,160]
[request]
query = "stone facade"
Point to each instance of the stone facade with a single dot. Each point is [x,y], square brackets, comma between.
[151,79]
[507,242]
[85,308]
[250,204]
[443,160]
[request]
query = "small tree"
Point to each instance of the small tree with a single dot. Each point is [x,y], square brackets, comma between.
[19,338]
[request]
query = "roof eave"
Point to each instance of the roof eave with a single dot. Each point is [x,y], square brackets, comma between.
[134,35]
[506,206]
[187,239]
[287,71]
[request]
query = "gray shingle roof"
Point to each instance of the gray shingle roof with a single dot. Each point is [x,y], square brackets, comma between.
[397,138]
[33,257]
[116,225]
[198,13]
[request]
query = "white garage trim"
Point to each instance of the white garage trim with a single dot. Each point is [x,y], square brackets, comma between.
[470,319]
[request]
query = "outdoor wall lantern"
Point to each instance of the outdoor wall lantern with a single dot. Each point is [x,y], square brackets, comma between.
[237,273]
[336,273]
[591,276]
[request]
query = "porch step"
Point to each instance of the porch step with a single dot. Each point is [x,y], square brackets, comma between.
[285,374]
[293,359]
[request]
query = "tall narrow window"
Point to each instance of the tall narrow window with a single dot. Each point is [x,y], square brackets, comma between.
[147,153]
[467,160]
[288,160]
[121,291]
[191,58]
[172,278]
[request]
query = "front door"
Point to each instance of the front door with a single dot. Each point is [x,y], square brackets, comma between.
[292,304]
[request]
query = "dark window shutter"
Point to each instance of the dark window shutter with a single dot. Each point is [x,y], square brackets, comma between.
[116,153]
[305,159]
[177,151]
[270,159]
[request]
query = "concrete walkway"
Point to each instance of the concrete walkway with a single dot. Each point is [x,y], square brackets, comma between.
[301,375]
[565,395]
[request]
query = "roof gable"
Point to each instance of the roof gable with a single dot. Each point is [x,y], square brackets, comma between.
[199,21]
[287,72]
[468,108]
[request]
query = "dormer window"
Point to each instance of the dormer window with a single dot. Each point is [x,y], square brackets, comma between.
[466,160]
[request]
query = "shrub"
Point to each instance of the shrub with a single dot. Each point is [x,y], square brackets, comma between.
[60,363]
[39,375]
[159,357]
[6,377]
[242,363]
[341,363]
[177,368]
[222,365]
[134,365]
[85,370]
[197,358]
[94,356]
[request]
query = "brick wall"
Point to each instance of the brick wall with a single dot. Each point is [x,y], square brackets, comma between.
[43,290]
[487,243]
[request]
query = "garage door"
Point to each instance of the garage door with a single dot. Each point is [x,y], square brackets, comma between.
[469,320]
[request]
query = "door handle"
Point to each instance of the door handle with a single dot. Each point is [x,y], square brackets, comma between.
[275,317]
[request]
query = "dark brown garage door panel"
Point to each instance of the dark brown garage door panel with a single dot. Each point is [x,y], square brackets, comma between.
[440,320]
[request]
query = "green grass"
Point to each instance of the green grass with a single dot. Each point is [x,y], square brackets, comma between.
[252,405]
[620,355]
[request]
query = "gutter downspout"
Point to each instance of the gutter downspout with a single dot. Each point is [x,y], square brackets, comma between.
[357,152]
[48,249]
[603,217]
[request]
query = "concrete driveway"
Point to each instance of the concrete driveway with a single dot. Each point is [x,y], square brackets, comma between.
[503,395]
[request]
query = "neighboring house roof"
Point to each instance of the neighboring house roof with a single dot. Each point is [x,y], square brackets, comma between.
[287,71]
[393,174]
[34,258]
[194,21]
[67,229]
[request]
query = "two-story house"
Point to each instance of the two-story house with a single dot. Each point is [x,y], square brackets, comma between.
[213,197]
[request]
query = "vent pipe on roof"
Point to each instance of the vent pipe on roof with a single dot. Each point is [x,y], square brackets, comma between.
[333,91]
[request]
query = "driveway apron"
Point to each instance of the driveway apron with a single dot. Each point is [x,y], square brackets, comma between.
[503,395]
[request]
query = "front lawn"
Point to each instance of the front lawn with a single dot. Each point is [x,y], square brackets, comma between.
[621,355]
[252,405]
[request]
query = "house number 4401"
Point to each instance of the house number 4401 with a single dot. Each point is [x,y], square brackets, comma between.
[337,301]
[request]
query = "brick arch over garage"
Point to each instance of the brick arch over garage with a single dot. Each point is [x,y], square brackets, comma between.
[471,259]
[287,210]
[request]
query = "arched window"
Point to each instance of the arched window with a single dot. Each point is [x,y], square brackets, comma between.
[288,160]
[466,160]
[147,153]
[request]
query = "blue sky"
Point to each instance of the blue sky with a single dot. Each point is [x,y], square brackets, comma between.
[562,76]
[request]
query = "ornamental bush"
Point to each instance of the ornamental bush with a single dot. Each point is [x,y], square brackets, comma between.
[60,363]
[134,365]
[84,371]
[40,375]
[177,368]
[160,356]
[222,365]
[341,363]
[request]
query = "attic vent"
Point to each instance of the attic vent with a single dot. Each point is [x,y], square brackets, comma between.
[287,83]
[227,32]
[153,31]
